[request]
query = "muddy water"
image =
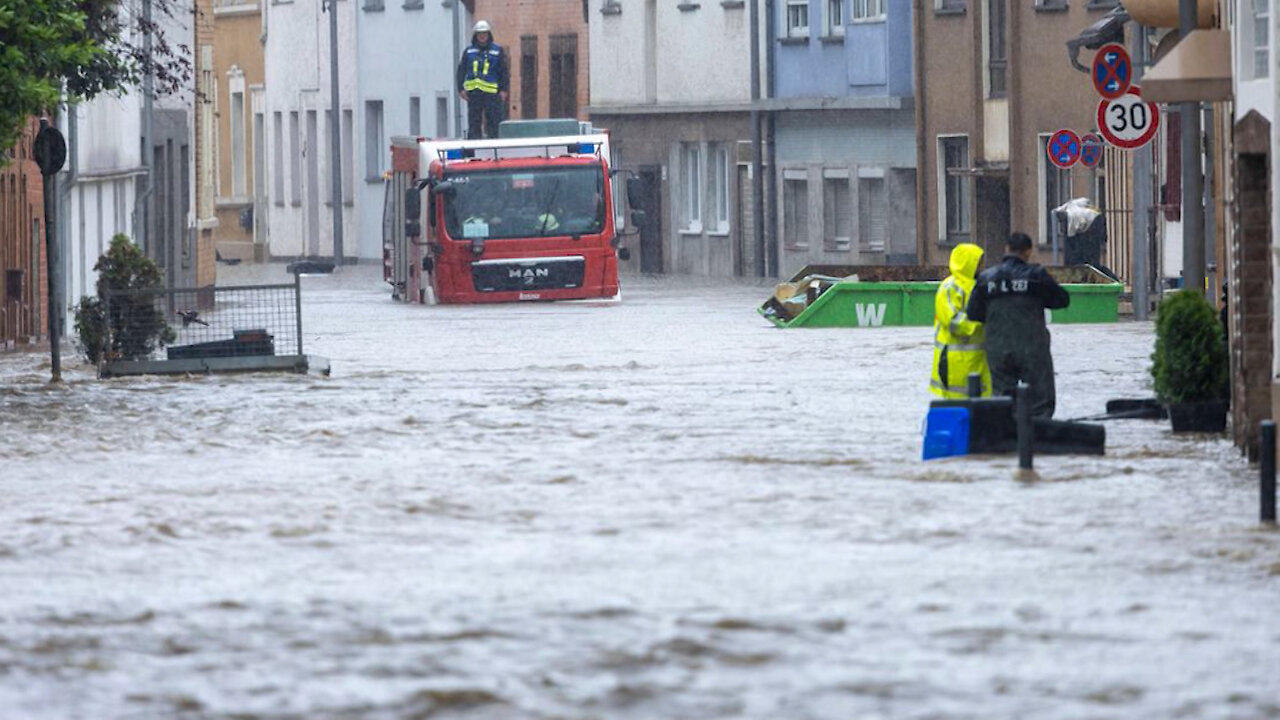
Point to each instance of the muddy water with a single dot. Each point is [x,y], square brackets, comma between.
[659,509]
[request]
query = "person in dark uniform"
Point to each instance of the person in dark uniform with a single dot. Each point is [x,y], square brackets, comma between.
[1010,299]
[482,79]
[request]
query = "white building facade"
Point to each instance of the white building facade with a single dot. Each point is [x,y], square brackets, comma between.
[395,77]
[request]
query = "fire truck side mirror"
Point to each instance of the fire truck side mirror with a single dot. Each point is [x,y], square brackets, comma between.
[638,217]
[635,192]
[412,212]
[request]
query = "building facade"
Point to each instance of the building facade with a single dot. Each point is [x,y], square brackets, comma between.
[547,44]
[239,70]
[23,300]
[395,77]
[672,84]
[844,132]
[993,82]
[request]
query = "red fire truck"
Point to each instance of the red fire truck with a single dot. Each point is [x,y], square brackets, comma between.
[526,216]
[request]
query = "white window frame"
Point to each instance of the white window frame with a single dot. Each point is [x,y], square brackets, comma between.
[868,174]
[797,30]
[295,158]
[834,17]
[1259,54]
[941,184]
[802,213]
[718,189]
[236,130]
[691,186]
[861,11]
[1042,190]
[839,243]
[277,159]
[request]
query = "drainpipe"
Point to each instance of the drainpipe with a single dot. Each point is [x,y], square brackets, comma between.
[335,135]
[455,5]
[142,201]
[771,159]
[757,152]
[922,194]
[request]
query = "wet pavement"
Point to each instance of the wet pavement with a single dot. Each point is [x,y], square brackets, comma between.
[663,508]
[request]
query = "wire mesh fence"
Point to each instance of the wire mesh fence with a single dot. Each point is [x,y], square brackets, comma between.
[201,323]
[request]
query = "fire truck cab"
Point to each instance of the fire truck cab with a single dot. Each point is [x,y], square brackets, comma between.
[526,216]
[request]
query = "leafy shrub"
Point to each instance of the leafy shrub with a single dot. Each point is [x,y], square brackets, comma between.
[131,326]
[1190,361]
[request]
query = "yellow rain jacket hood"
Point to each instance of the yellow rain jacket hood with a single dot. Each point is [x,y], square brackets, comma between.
[957,341]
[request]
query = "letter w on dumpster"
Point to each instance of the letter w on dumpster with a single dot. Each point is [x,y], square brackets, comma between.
[871,315]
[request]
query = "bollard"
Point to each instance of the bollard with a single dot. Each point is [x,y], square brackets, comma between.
[1026,433]
[1267,461]
[975,385]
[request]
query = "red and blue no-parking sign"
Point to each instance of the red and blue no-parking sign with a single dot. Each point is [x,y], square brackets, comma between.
[1112,71]
[1091,146]
[1064,148]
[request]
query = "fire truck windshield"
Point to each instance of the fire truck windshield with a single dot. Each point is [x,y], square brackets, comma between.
[525,202]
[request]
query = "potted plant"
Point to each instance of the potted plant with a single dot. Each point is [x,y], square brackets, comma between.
[130,327]
[1189,365]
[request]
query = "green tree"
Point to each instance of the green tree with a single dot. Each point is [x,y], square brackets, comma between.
[131,325]
[1189,364]
[81,48]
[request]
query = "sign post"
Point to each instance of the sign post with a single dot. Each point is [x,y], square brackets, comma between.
[1064,148]
[50,150]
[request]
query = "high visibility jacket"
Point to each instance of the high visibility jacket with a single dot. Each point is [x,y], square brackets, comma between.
[957,340]
[483,68]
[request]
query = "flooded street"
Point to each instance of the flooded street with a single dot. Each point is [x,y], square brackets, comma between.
[663,508]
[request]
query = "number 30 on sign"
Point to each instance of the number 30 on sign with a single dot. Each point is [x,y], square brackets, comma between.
[1128,121]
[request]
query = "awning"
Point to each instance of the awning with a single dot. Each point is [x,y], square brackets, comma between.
[1197,68]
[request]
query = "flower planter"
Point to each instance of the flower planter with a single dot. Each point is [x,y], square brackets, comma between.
[1199,417]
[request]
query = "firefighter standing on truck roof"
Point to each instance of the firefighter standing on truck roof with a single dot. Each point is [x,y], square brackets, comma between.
[482,83]
[1011,299]
[957,340]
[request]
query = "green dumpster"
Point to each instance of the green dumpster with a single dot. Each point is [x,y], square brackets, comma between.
[822,296]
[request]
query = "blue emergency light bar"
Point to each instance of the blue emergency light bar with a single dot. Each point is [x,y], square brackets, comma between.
[582,148]
[454,154]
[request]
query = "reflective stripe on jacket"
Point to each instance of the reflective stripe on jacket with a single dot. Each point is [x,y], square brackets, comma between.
[957,340]
[483,68]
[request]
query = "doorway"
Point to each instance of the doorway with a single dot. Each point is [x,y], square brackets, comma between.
[991,224]
[651,228]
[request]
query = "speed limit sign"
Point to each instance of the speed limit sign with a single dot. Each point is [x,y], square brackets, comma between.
[1128,121]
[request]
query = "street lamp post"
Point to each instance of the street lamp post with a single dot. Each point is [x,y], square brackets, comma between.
[335,130]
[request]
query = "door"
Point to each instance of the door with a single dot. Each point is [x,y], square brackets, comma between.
[651,228]
[991,223]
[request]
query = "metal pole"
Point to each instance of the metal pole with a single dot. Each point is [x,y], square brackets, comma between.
[1192,179]
[1210,207]
[297,307]
[53,256]
[143,201]
[1141,237]
[457,54]
[1267,462]
[1026,433]
[757,149]
[335,135]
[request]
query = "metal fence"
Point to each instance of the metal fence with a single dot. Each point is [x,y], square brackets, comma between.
[201,323]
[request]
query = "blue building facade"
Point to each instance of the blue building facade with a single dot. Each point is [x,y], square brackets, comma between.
[844,132]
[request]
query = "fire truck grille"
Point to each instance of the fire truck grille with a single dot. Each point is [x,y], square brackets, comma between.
[527,274]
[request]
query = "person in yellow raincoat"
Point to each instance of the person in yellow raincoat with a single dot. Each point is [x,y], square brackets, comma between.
[957,340]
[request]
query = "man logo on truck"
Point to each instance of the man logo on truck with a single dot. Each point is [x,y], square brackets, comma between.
[528,274]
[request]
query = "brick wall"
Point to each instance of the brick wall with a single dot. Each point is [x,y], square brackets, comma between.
[1250,285]
[540,21]
[23,304]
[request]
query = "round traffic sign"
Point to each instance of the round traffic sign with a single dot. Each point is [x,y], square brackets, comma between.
[1063,148]
[1091,150]
[1112,71]
[1128,121]
[49,149]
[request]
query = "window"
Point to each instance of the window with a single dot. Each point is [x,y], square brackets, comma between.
[277,168]
[718,188]
[373,140]
[872,213]
[795,209]
[374,5]
[691,186]
[1261,38]
[564,76]
[442,116]
[1055,189]
[867,9]
[238,181]
[415,116]
[997,49]
[348,158]
[949,7]
[295,160]
[837,211]
[529,76]
[326,184]
[955,189]
[835,17]
[797,18]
